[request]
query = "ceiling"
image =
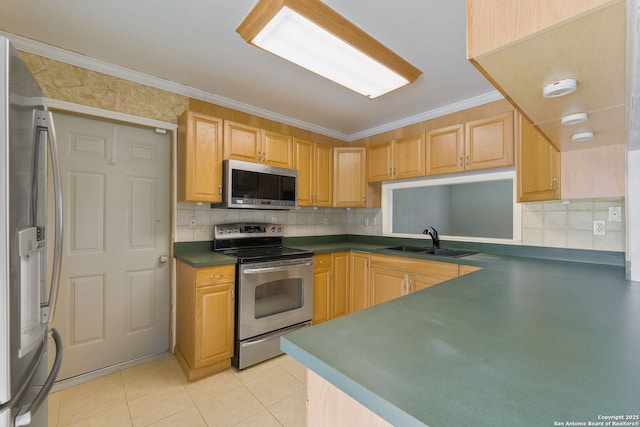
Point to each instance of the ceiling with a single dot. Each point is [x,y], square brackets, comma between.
[195,44]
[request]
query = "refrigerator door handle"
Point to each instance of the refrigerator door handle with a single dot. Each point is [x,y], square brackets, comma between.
[49,307]
[29,374]
[24,418]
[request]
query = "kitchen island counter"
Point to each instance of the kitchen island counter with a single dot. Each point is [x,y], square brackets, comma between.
[521,342]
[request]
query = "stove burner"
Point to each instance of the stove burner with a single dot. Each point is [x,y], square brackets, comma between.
[254,242]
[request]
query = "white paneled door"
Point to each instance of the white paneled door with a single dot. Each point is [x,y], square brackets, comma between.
[113,304]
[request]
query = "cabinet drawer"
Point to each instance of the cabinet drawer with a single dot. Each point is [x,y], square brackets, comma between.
[443,270]
[322,260]
[214,275]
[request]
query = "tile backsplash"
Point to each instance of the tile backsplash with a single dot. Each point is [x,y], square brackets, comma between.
[569,224]
[562,224]
[195,222]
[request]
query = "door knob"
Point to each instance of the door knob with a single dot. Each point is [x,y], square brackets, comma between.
[163,259]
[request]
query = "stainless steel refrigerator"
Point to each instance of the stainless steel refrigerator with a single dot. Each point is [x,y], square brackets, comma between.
[27,290]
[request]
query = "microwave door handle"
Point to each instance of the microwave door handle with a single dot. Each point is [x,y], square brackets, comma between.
[272,269]
[48,308]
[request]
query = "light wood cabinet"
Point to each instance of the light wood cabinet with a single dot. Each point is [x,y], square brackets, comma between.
[331,290]
[349,177]
[251,144]
[466,269]
[321,288]
[386,284]
[582,40]
[399,159]
[359,280]
[340,290]
[488,142]
[538,165]
[480,144]
[314,163]
[445,150]
[204,318]
[199,158]
[392,277]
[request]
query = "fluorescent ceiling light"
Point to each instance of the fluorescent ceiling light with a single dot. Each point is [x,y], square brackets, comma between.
[311,35]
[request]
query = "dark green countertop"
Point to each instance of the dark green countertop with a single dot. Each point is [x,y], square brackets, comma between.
[523,342]
[539,335]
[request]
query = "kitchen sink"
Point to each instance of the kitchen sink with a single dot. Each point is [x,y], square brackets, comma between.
[451,253]
[415,249]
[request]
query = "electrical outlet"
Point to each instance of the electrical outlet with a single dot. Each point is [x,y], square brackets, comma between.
[274,220]
[192,222]
[615,214]
[325,220]
[599,228]
[366,220]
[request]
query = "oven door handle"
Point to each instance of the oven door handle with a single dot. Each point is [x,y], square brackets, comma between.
[271,269]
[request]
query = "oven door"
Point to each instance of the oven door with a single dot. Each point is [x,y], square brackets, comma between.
[274,295]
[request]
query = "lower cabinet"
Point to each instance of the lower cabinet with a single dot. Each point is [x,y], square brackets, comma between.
[345,282]
[204,319]
[330,286]
[358,281]
[392,277]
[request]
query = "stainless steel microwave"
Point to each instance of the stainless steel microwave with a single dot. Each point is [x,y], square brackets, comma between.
[249,185]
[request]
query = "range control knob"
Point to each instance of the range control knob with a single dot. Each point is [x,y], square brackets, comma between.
[279,229]
[273,229]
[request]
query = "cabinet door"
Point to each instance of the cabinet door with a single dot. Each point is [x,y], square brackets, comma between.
[199,158]
[418,282]
[340,289]
[359,274]
[323,175]
[466,269]
[349,177]
[379,159]
[538,166]
[214,324]
[409,157]
[277,149]
[241,142]
[321,288]
[445,149]
[489,142]
[386,284]
[303,163]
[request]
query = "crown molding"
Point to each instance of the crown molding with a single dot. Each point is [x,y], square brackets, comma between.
[83,61]
[431,114]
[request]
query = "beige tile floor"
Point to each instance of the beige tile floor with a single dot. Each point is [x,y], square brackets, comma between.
[158,394]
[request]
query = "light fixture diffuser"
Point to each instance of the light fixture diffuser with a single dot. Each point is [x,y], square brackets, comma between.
[560,88]
[315,37]
[574,119]
[582,136]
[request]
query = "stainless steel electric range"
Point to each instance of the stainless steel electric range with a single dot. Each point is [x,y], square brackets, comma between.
[274,288]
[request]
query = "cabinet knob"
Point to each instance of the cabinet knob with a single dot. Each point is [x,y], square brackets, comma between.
[216,276]
[553,185]
[467,160]
[460,162]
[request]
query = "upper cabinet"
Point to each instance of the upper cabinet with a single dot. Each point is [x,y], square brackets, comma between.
[479,144]
[349,177]
[538,165]
[251,144]
[199,158]
[525,45]
[314,163]
[398,159]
